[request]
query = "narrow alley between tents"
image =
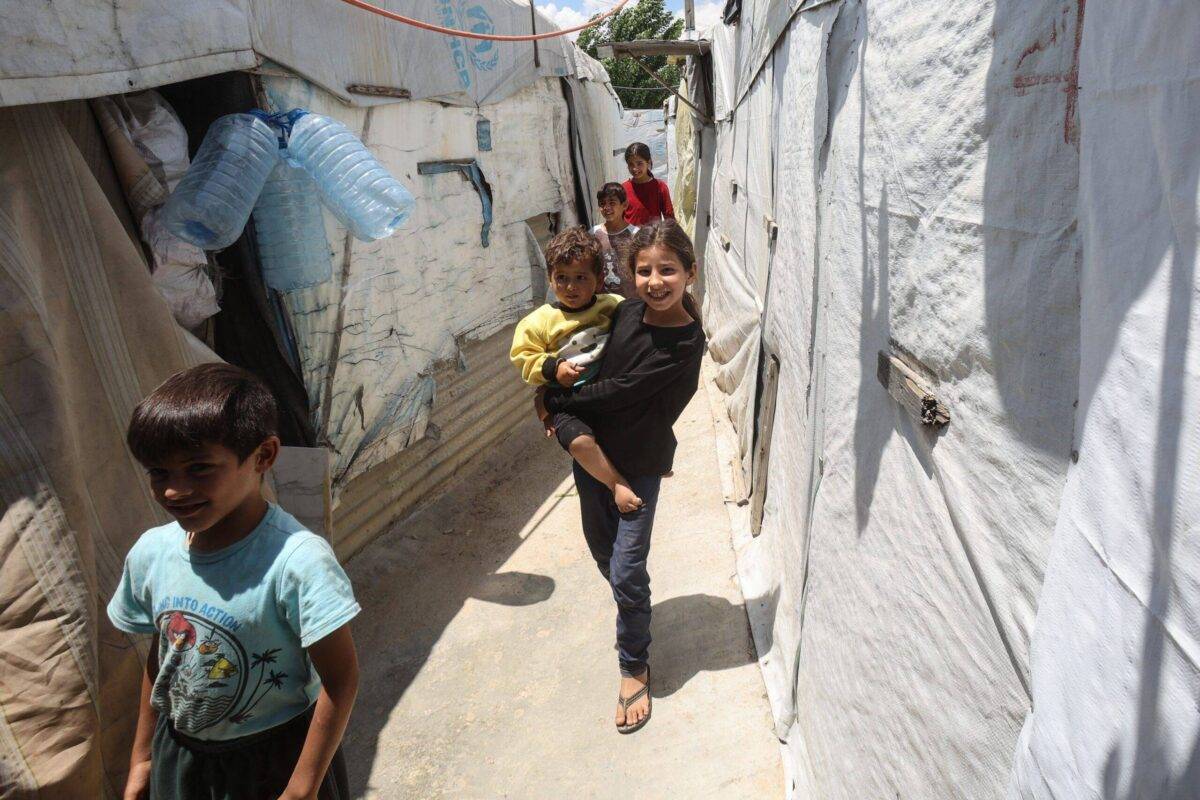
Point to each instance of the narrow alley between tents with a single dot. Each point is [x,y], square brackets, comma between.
[488,668]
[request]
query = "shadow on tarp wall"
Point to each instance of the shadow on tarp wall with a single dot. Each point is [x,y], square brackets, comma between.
[1152,215]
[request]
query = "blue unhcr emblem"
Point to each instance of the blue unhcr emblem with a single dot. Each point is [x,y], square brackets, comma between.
[484,54]
[449,19]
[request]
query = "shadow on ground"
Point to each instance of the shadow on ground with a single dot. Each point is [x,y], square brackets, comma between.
[693,634]
[442,556]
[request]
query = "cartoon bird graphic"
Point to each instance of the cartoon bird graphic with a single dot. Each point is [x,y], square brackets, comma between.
[210,644]
[220,668]
[181,635]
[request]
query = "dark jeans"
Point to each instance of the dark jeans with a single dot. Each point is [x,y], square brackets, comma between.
[620,543]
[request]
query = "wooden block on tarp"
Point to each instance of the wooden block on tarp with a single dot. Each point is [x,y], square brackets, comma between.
[911,390]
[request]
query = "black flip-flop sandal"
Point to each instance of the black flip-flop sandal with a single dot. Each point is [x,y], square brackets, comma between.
[626,702]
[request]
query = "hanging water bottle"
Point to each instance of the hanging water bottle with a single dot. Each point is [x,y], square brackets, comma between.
[214,198]
[290,231]
[353,185]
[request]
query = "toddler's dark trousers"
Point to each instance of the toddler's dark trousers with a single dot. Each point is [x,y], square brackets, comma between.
[620,543]
[255,767]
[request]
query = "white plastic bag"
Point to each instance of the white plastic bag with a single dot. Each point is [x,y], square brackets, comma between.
[179,269]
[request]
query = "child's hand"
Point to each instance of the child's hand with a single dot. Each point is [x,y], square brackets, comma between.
[539,406]
[137,785]
[567,373]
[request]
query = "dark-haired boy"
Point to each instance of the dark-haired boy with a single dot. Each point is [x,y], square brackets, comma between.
[562,343]
[252,671]
[613,235]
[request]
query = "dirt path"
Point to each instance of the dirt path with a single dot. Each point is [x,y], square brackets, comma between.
[486,640]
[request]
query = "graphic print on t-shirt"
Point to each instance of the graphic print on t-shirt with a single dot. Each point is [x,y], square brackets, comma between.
[612,278]
[584,346]
[204,674]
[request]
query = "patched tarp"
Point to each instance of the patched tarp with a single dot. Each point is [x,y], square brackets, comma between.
[683,139]
[369,340]
[73,363]
[88,48]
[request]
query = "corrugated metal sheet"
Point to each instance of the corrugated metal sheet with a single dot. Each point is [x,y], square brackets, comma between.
[478,402]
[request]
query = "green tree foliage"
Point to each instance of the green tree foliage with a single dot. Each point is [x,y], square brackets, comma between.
[647,19]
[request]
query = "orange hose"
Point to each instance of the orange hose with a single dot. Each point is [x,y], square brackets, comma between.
[491,37]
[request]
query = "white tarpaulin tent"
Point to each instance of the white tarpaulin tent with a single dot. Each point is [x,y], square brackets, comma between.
[1004,196]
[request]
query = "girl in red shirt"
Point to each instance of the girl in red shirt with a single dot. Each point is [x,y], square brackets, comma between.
[649,198]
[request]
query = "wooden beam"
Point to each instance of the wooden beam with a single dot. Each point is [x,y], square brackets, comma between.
[654,47]
[911,391]
[378,91]
[699,114]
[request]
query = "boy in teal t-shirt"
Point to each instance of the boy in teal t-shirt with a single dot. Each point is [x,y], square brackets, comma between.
[252,674]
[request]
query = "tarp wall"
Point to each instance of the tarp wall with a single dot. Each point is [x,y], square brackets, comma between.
[597,109]
[87,48]
[923,169]
[1116,646]
[684,154]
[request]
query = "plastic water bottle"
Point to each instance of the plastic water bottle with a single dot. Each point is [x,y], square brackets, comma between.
[214,198]
[353,185]
[290,231]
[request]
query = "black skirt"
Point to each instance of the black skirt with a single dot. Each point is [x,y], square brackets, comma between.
[254,767]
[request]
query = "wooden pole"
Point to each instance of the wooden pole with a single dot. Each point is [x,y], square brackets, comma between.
[689,15]
[533,29]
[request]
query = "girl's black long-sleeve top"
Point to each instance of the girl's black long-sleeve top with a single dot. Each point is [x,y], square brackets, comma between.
[646,379]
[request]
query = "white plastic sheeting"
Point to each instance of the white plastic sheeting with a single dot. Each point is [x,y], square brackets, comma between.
[923,169]
[370,339]
[740,50]
[1116,647]
[596,110]
[73,49]
[648,126]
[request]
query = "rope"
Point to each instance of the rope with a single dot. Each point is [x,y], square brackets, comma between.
[491,37]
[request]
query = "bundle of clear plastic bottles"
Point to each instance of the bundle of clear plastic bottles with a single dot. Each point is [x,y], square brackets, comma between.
[281,168]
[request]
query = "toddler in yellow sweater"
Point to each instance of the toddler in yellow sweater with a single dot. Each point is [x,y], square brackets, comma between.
[562,342]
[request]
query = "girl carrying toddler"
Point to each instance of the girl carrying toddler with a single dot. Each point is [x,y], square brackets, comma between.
[650,370]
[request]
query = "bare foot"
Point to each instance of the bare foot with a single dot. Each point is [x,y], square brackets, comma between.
[625,498]
[639,708]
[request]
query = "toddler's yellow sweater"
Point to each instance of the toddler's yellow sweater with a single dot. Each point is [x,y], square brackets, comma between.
[554,331]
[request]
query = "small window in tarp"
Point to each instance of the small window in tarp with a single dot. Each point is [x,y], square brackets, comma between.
[732,12]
